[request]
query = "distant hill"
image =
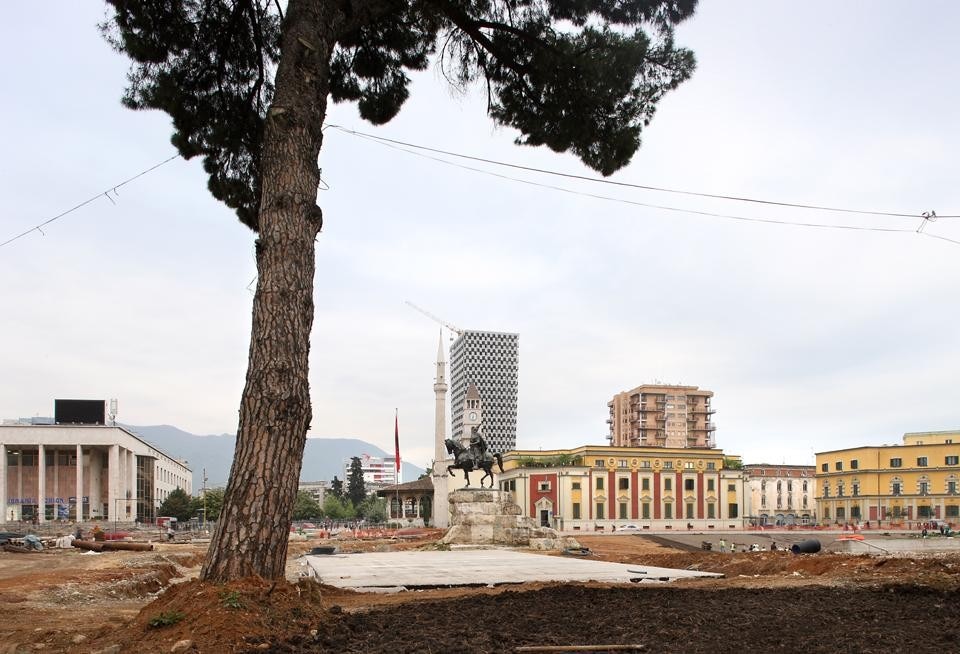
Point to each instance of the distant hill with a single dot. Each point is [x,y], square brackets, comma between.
[322,457]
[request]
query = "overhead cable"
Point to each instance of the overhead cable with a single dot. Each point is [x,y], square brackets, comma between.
[863,228]
[660,189]
[106,194]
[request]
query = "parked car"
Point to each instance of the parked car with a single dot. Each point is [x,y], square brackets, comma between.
[628,527]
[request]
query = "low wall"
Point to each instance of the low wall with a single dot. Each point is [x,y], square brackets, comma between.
[898,546]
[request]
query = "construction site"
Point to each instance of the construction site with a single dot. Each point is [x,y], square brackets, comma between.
[404,592]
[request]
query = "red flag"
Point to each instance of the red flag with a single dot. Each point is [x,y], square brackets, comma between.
[396,438]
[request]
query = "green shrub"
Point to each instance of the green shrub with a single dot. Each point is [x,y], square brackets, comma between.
[166,618]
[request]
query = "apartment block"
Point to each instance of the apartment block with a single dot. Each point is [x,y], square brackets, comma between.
[660,415]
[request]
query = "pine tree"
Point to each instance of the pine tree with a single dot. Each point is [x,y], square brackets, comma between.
[356,488]
[177,505]
[336,489]
[247,90]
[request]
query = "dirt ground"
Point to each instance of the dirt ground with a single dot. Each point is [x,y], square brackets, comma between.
[64,600]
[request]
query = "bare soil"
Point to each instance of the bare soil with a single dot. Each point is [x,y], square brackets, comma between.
[63,600]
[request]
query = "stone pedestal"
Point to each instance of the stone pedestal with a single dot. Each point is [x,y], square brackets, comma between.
[441,504]
[489,517]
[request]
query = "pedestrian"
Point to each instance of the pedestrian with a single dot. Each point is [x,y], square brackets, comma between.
[169,533]
[723,545]
[773,547]
[79,534]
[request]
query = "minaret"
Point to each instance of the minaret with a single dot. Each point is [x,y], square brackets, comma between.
[439,476]
[440,415]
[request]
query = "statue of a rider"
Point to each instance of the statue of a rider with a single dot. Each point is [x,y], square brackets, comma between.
[478,446]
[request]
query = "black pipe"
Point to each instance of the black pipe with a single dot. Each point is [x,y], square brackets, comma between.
[811,546]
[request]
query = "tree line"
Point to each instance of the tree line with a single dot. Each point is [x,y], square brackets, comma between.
[349,502]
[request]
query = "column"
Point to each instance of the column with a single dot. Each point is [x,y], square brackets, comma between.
[3,484]
[78,491]
[113,482]
[41,484]
[132,484]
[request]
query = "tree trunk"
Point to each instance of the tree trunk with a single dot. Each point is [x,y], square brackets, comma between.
[253,528]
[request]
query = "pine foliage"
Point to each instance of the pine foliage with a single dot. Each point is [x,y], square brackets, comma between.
[583,76]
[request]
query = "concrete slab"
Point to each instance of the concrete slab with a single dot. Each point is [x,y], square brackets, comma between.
[377,571]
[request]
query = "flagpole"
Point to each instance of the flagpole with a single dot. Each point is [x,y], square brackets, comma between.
[396,443]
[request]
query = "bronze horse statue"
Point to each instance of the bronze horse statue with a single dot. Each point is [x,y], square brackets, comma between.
[468,459]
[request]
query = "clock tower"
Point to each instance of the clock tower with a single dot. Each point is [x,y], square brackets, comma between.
[472,413]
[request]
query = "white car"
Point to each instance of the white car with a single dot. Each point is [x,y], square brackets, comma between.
[628,527]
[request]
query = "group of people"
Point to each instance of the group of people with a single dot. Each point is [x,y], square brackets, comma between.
[753,548]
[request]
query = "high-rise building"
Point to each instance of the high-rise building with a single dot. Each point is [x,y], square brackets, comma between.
[377,471]
[662,415]
[490,361]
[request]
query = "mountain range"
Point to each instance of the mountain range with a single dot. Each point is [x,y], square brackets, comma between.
[322,457]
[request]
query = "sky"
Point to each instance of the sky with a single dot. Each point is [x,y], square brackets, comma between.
[811,339]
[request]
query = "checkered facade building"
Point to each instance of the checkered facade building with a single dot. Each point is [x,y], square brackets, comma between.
[490,360]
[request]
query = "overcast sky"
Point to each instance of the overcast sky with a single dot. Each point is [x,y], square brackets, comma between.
[810,339]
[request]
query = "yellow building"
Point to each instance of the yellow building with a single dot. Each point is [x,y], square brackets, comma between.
[596,486]
[916,481]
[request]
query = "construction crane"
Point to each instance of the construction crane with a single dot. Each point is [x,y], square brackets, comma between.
[453,328]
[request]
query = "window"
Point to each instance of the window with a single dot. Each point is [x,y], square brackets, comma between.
[825,467]
[688,465]
[688,484]
[826,512]
[668,465]
[951,488]
[732,488]
[711,465]
[925,511]
[543,486]
[855,489]
[921,461]
[733,510]
[952,510]
[645,463]
[841,513]
[622,463]
[710,485]
[667,484]
[668,511]
[689,511]
[789,485]
[895,488]
[645,484]
[763,501]
[952,460]
[924,487]
[826,489]
[645,510]
[804,485]
[623,510]
[624,483]
[854,464]
[779,485]
[855,511]
[576,485]
[896,463]
[838,465]
[599,483]
[839,489]
[598,463]
[711,511]
[600,510]
[576,510]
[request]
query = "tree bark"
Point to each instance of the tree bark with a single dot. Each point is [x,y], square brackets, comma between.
[253,529]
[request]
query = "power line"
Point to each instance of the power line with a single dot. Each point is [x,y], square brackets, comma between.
[660,189]
[106,194]
[903,230]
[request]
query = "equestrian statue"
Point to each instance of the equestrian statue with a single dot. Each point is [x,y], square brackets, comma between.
[475,457]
